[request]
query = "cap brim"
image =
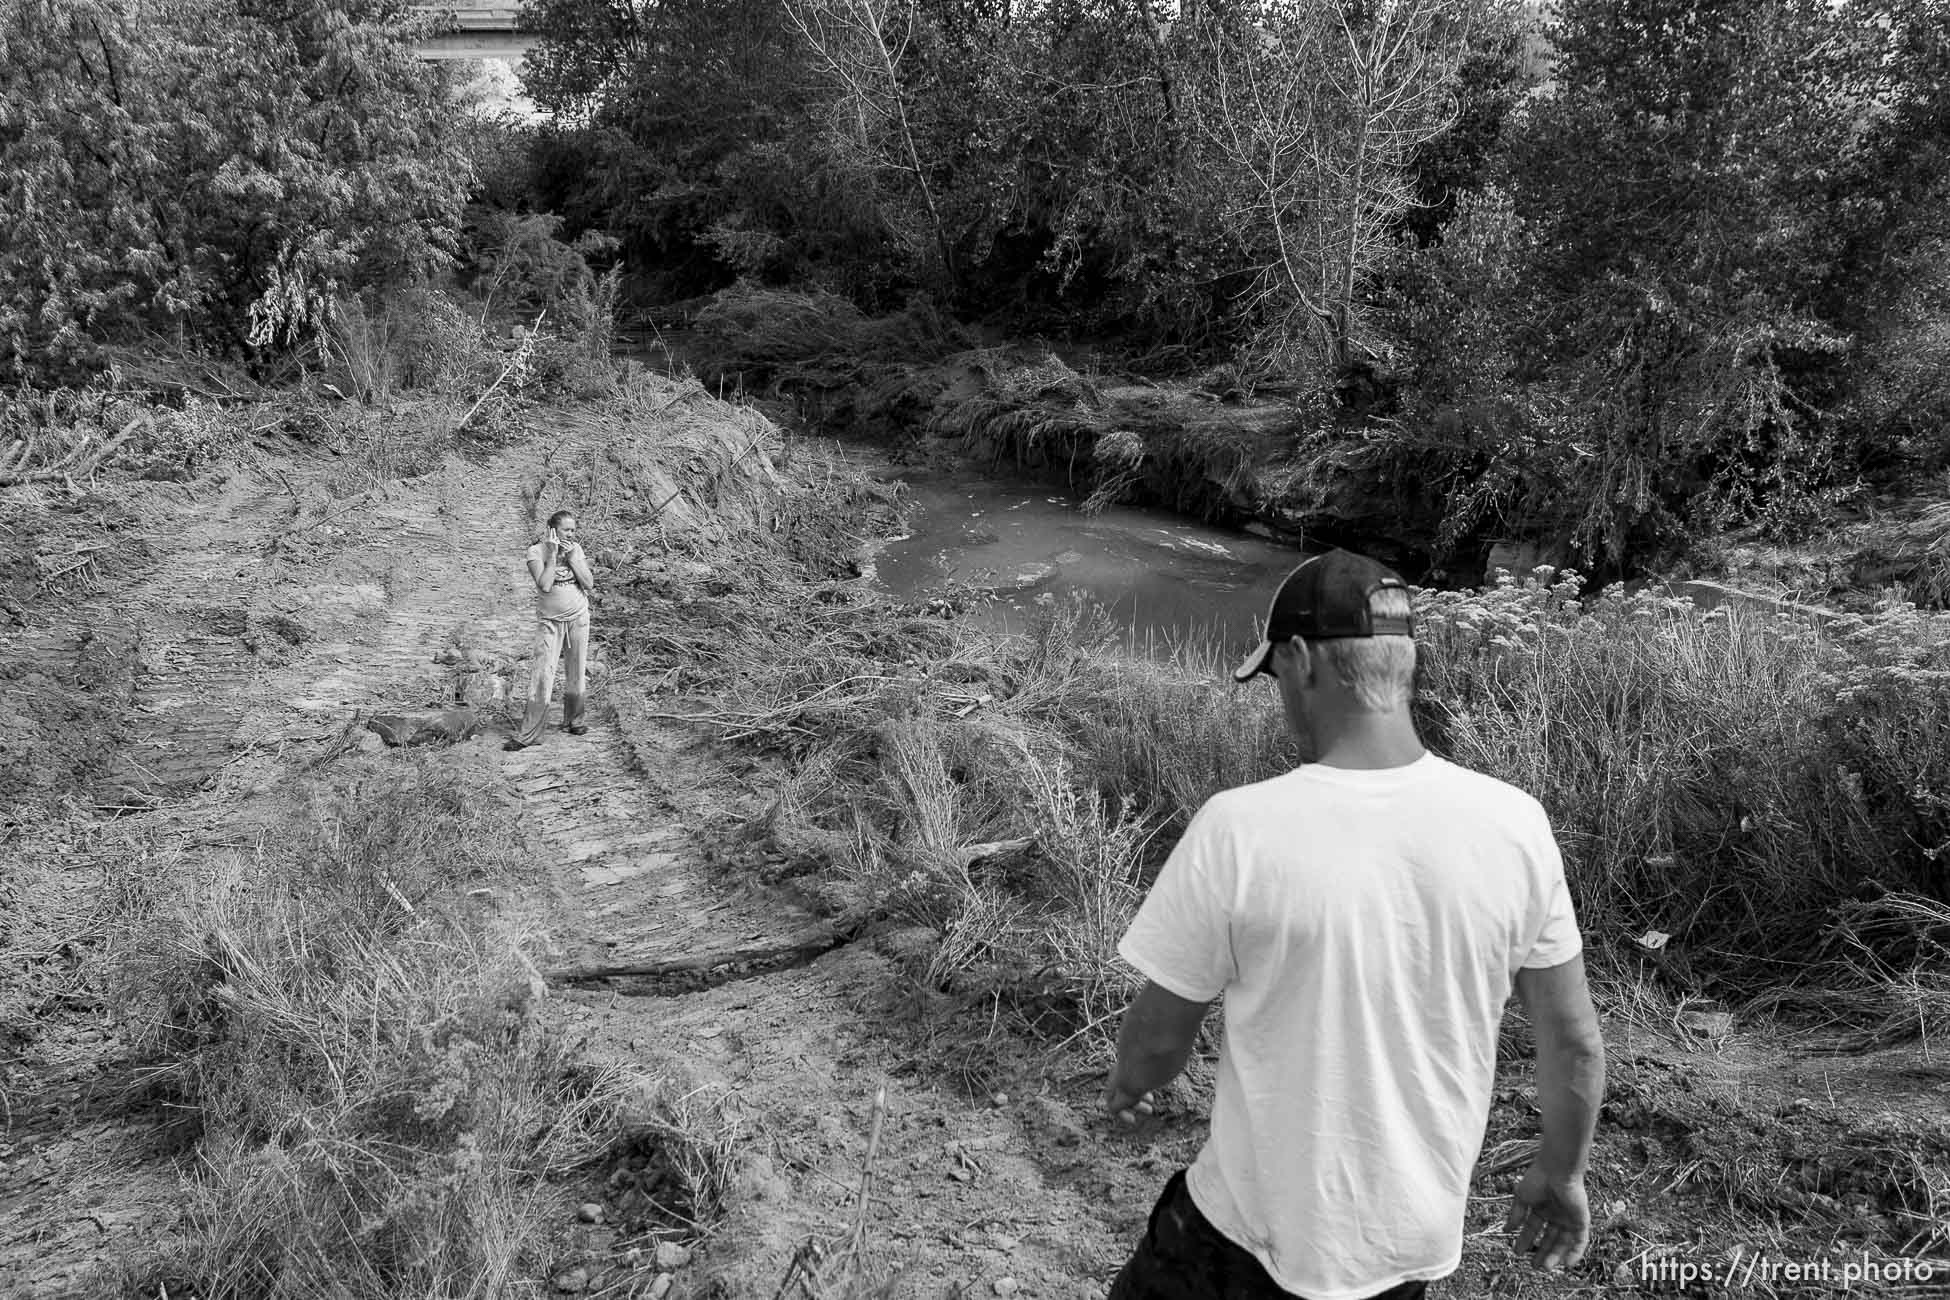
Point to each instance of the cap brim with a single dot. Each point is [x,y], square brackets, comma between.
[1259,661]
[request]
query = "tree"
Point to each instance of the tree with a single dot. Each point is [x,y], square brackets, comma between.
[1702,190]
[1311,113]
[220,168]
[860,46]
[686,128]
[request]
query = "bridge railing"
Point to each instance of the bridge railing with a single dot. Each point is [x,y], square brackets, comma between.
[474,18]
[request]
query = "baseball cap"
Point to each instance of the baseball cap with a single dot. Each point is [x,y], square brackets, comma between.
[1325,598]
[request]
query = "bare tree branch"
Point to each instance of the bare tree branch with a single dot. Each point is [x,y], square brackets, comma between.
[861,44]
[1313,111]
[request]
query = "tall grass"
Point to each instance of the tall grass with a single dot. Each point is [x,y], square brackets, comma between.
[1734,779]
[361,1053]
[1741,783]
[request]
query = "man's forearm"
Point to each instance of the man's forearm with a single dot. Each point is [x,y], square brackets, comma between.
[1146,1059]
[1570,1088]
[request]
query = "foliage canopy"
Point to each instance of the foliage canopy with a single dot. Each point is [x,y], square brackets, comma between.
[217,168]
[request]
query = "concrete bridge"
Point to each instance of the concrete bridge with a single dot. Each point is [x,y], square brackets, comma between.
[476,29]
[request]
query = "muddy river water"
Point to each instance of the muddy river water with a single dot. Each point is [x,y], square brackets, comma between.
[1160,577]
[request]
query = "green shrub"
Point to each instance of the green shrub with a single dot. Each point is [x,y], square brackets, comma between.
[185,169]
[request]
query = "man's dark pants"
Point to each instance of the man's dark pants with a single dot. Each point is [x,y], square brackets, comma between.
[1183,1257]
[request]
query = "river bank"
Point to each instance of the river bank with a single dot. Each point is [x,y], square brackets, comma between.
[824,843]
[1211,448]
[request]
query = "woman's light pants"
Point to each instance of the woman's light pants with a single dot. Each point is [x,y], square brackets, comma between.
[563,640]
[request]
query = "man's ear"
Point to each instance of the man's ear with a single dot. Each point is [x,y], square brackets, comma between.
[1293,662]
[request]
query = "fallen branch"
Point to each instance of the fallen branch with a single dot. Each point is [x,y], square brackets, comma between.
[82,459]
[970,854]
[522,353]
[820,939]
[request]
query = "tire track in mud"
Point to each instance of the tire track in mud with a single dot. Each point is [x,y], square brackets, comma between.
[191,614]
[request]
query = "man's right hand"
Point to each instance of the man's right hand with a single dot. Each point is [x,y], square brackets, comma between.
[1552,1219]
[1131,1114]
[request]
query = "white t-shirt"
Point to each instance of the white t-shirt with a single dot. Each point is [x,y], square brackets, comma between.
[565,600]
[1365,928]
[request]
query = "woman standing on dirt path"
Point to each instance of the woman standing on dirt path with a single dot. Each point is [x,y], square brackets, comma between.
[1366,917]
[562,582]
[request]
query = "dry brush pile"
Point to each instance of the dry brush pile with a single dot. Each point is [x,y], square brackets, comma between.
[361,1050]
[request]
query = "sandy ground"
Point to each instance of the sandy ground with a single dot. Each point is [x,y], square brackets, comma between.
[255,642]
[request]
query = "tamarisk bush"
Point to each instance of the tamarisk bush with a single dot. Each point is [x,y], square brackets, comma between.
[211,170]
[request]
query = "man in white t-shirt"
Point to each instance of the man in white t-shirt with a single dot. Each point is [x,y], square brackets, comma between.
[1366,916]
[560,572]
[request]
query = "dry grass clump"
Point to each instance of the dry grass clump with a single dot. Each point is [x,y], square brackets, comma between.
[1744,783]
[1129,443]
[361,1053]
[819,337]
[1914,552]
[843,370]
[663,464]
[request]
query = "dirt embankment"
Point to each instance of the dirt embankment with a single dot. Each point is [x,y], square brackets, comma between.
[1212,446]
[798,1093]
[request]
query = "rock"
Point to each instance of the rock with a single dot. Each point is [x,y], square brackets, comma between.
[573,1281]
[589,1212]
[671,1256]
[661,1287]
[1031,575]
[1623,1277]
[1006,1286]
[1711,1025]
[1000,1098]
[394,729]
[426,729]
[913,945]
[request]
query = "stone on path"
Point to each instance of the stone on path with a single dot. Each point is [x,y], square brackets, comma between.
[426,728]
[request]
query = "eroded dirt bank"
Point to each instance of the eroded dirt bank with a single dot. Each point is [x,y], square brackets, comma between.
[260,622]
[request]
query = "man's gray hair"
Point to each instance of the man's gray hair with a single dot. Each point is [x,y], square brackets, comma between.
[1380,670]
